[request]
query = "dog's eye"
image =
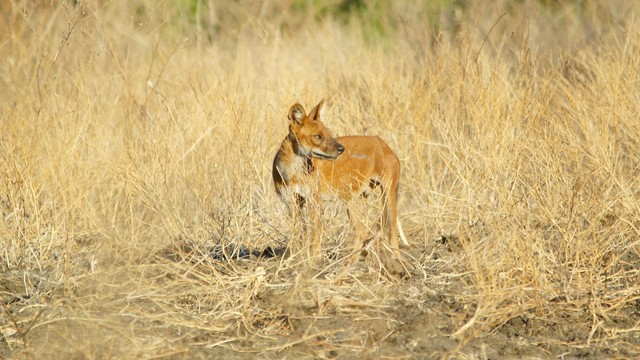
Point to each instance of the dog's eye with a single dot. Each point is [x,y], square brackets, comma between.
[317,137]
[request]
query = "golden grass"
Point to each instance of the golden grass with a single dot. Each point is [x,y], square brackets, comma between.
[137,142]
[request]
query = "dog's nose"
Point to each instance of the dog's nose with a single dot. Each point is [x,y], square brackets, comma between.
[340,149]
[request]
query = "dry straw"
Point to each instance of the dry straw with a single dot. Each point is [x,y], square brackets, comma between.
[136,143]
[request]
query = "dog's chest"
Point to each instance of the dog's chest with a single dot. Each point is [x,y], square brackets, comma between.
[296,174]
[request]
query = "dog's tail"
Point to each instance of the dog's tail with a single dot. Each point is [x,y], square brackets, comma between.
[402,236]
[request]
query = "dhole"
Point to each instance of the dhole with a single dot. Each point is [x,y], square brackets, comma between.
[310,160]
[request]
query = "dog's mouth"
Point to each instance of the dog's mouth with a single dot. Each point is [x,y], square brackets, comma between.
[324,156]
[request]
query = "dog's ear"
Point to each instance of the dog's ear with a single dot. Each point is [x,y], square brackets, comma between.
[315,112]
[296,113]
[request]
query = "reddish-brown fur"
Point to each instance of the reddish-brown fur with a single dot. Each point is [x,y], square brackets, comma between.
[310,162]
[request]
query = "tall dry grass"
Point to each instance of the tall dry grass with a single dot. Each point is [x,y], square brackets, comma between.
[137,141]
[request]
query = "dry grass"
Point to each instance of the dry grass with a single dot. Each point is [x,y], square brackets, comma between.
[137,142]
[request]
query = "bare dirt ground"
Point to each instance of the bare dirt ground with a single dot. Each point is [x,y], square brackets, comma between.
[341,311]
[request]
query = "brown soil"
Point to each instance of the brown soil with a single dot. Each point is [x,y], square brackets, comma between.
[347,312]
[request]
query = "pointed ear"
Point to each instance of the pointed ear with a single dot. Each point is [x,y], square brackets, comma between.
[315,112]
[296,113]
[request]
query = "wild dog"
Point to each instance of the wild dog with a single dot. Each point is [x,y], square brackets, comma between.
[312,162]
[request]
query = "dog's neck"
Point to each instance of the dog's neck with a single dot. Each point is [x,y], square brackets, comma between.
[290,145]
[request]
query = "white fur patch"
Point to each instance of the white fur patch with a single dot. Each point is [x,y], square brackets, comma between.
[297,114]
